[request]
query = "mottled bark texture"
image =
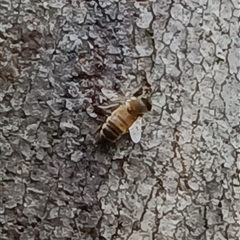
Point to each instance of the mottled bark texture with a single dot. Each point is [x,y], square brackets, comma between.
[181,182]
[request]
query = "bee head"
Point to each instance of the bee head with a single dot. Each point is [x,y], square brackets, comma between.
[141,105]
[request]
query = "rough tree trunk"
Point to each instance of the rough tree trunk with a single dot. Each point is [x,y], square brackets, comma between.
[181,182]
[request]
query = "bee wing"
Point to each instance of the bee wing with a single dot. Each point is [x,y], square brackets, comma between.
[110,94]
[115,99]
[109,107]
[135,130]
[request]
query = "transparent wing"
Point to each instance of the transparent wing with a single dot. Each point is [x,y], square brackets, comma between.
[110,94]
[135,130]
[109,107]
[115,99]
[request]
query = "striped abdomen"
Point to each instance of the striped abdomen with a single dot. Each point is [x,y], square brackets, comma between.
[117,124]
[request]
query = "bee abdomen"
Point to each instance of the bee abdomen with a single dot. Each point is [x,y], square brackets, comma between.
[110,132]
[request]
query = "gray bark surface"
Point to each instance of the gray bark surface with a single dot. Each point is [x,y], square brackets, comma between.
[181,182]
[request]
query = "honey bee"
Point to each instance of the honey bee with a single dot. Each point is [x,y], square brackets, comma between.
[127,117]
